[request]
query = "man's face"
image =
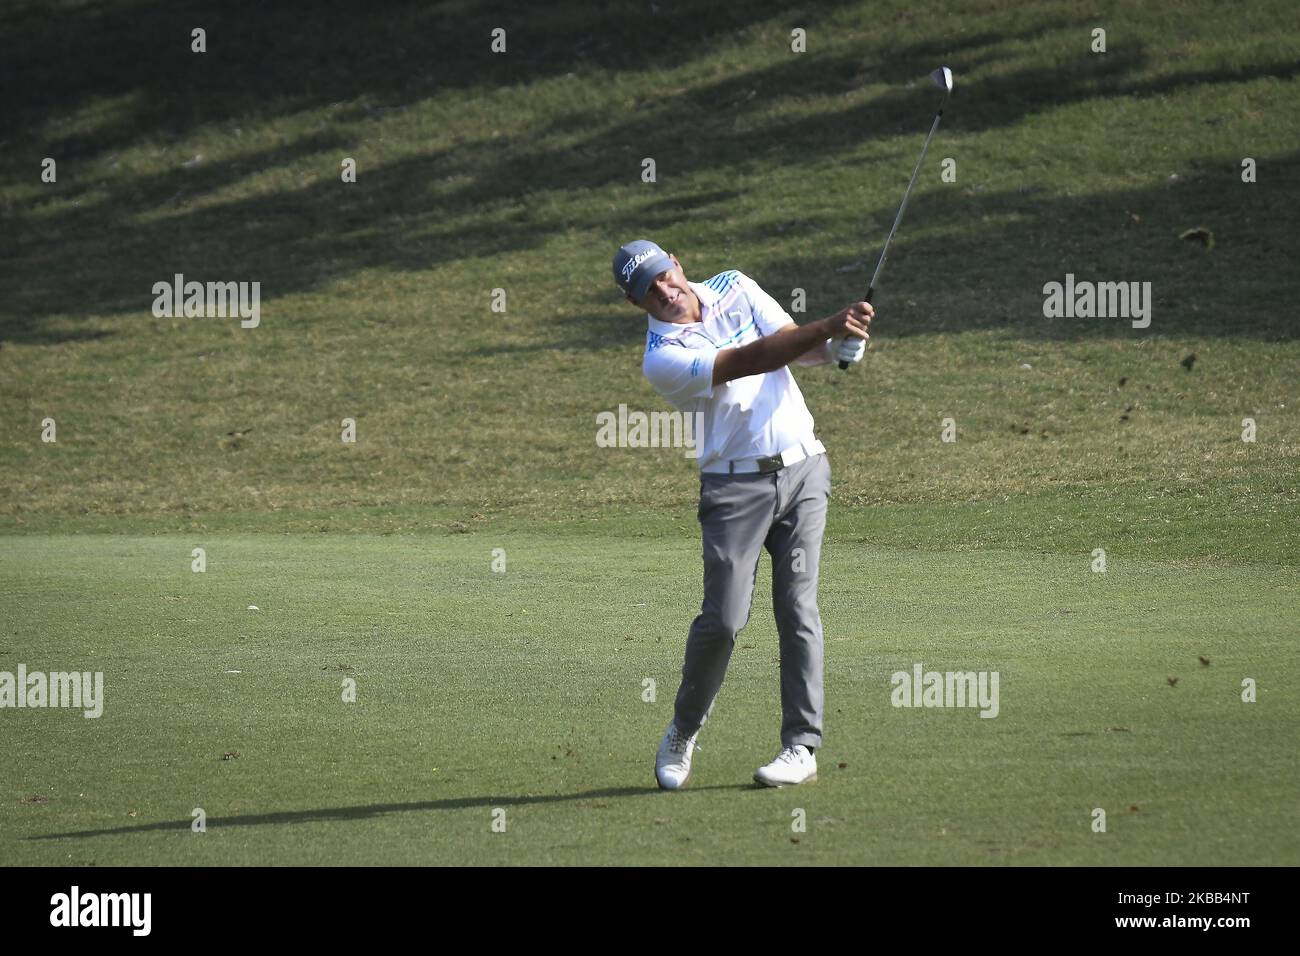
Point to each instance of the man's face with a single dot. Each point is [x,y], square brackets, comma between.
[669,297]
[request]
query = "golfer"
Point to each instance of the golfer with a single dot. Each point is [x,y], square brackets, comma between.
[720,348]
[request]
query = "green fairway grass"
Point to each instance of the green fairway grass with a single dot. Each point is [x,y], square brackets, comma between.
[523,690]
[476,429]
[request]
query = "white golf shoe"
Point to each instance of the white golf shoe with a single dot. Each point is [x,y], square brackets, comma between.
[673,762]
[792,765]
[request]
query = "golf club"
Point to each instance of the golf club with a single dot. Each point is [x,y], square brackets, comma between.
[942,78]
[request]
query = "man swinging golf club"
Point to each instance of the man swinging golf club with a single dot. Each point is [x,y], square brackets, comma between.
[720,348]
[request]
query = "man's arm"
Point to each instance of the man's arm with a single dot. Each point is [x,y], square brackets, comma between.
[817,355]
[789,343]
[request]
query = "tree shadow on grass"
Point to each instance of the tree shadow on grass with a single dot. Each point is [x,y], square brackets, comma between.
[982,260]
[268,60]
[508,194]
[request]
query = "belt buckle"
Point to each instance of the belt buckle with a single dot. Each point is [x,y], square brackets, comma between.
[769,464]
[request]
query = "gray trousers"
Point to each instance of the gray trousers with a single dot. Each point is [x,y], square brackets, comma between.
[784,511]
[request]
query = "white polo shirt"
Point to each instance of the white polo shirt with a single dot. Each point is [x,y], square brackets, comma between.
[754,416]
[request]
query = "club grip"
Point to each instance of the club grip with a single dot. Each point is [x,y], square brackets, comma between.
[867,298]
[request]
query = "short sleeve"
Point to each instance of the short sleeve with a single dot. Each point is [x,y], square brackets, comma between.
[679,374]
[767,311]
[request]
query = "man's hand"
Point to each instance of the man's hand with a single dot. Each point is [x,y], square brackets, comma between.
[850,350]
[851,345]
[775,351]
[853,322]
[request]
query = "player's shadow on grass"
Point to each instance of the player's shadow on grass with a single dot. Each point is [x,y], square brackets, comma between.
[373,810]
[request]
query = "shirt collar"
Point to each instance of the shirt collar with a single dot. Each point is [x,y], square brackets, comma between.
[707,299]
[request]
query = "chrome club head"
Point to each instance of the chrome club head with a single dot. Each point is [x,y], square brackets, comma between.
[943,79]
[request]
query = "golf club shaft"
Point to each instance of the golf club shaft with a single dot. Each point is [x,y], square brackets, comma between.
[899,218]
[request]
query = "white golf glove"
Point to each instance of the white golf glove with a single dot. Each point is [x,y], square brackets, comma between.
[851,349]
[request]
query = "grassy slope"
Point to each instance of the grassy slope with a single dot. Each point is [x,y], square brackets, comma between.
[477,429]
[521,172]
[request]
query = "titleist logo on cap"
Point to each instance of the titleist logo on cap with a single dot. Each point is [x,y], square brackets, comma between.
[630,266]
